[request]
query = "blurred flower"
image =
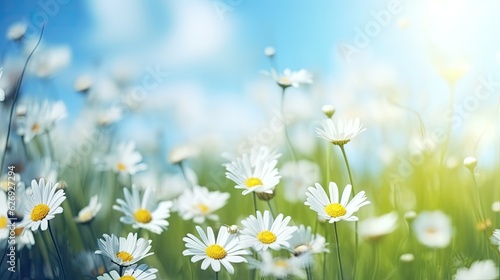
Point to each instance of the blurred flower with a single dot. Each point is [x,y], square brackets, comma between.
[410,215]
[495,206]
[199,203]
[226,249]
[124,160]
[40,118]
[124,251]
[330,208]
[253,176]
[290,78]
[483,225]
[91,265]
[328,110]
[280,268]
[83,83]
[340,134]
[408,257]
[297,176]
[484,270]
[88,213]
[433,229]
[262,154]
[377,227]
[495,238]
[42,205]
[182,152]
[452,70]
[16,31]
[134,272]
[48,62]
[303,241]
[470,163]
[263,232]
[403,23]
[4,217]
[24,237]
[145,214]
[269,51]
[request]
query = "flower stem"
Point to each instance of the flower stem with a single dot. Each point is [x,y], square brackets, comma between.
[338,251]
[254,203]
[308,272]
[216,275]
[270,208]
[348,169]
[181,166]
[324,254]
[376,256]
[57,251]
[289,143]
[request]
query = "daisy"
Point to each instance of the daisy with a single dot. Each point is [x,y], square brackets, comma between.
[123,160]
[24,237]
[251,176]
[143,213]
[88,213]
[42,205]
[297,176]
[124,251]
[290,78]
[199,204]
[92,265]
[225,250]
[340,134]
[331,208]
[40,118]
[303,241]
[377,227]
[262,232]
[141,272]
[16,31]
[4,218]
[433,229]
[279,268]
[484,270]
[182,152]
[495,238]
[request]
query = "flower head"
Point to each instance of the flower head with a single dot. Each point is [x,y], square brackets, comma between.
[134,272]
[484,270]
[377,227]
[16,31]
[40,118]
[297,176]
[330,208]
[226,249]
[290,78]
[124,160]
[143,213]
[470,163]
[304,241]
[124,251]
[433,229]
[263,232]
[42,205]
[280,268]
[340,134]
[88,213]
[199,204]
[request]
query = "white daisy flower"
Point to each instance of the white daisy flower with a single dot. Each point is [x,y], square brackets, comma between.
[199,204]
[124,251]
[143,213]
[433,229]
[182,152]
[46,63]
[40,118]
[263,232]
[134,272]
[88,213]
[484,270]
[16,31]
[42,205]
[225,250]
[279,268]
[290,78]
[4,217]
[263,154]
[297,176]
[303,241]
[377,227]
[258,177]
[340,134]
[123,160]
[331,208]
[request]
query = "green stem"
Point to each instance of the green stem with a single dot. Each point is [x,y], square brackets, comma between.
[348,169]
[289,143]
[181,166]
[308,272]
[57,251]
[324,253]
[254,202]
[216,275]
[338,251]
[270,207]
[376,256]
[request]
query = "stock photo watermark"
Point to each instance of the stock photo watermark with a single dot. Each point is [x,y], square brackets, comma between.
[11,219]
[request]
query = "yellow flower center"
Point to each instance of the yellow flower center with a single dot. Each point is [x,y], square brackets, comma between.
[281,263]
[85,216]
[143,216]
[3,222]
[266,237]
[252,182]
[18,231]
[203,208]
[39,212]
[335,210]
[127,277]
[216,252]
[126,257]
[35,127]
[121,167]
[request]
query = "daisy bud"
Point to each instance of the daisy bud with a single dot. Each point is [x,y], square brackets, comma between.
[328,110]
[265,196]
[300,250]
[407,257]
[61,185]
[470,163]
[233,229]
[17,31]
[269,51]
[82,84]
